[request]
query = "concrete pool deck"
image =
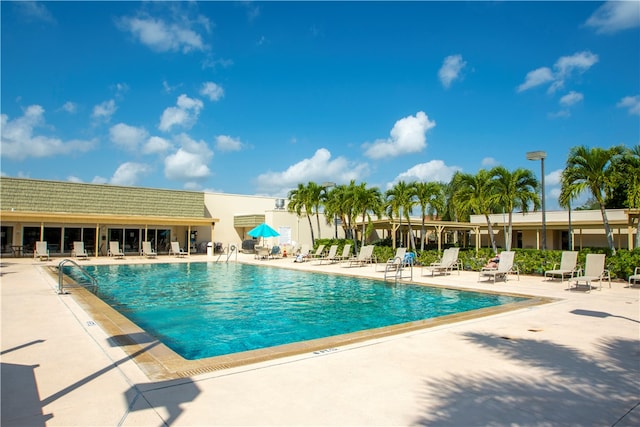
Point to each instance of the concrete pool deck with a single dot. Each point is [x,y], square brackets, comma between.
[574,361]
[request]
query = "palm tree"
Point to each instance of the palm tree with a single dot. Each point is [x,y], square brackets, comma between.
[626,176]
[431,198]
[366,201]
[514,190]
[315,195]
[475,194]
[400,200]
[300,204]
[591,169]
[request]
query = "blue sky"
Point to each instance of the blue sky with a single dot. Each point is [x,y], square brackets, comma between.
[256,97]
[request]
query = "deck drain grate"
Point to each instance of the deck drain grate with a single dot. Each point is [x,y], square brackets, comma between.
[204,370]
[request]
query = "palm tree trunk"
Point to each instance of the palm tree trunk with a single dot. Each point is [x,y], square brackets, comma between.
[318,221]
[313,240]
[412,238]
[490,229]
[607,229]
[510,232]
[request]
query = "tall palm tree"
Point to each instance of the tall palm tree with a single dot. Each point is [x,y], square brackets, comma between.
[591,169]
[514,190]
[300,204]
[626,175]
[315,195]
[400,200]
[431,198]
[366,201]
[475,194]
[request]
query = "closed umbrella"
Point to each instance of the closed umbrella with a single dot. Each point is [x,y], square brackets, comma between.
[263,230]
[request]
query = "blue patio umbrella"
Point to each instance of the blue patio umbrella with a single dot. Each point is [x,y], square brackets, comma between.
[263,230]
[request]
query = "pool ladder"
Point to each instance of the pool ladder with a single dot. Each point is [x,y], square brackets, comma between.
[230,251]
[94,282]
[396,269]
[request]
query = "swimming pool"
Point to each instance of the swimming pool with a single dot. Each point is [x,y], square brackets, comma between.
[202,310]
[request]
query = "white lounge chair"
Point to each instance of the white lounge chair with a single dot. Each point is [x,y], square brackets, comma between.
[448,262]
[41,251]
[364,257]
[275,252]
[114,250]
[330,257]
[177,250]
[635,277]
[148,251]
[346,253]
[79,251]
[262,252]
[568,266]
[505,267]
[594,269]
[318,253]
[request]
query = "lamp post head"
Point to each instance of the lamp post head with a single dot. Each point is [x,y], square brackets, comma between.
[328,184]
[536,155]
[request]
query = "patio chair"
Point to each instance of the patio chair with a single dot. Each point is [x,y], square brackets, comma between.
[114,250]
[505,266]
[594,269]
[148,251]
[275,252]
[568,266]
[635,277]
[262,252]
[448,262]
[330,257]
[177,250]
[79,251]
[364,257]
[346,253]
[41,251]
[318,253]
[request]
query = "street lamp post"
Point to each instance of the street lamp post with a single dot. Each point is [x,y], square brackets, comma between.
[541,155]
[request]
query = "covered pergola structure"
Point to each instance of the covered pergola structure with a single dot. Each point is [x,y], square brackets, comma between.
[395,227]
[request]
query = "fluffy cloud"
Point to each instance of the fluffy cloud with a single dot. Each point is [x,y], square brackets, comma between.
[127,137]
[155,144]
[407,136]
[434,170]
[489,162]
[184,114]
[190,163]
[571,98]
[563,69]
[319,168]
[69,107]
[632,103]
[19,142]
[34,11]
[553,178]
[227,143]
[161,36]
[129,173]
[450,70]
[614,16]
[104,111]
[212,91]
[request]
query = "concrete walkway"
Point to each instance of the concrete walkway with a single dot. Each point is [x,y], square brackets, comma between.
[575,361]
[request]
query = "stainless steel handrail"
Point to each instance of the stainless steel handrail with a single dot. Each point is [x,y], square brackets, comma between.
[94,282]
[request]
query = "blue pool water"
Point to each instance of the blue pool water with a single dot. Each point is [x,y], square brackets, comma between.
[210,309]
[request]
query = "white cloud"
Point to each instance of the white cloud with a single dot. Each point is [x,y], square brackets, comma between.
[489,162]
[190,163]
[535,78]
[129,173]
[407,136]
[127,137]
[162,36]
[156,144]
[614,16]
[212,91]
[227,143]
[72,178]
[433,170]
[632,103]
[563,69]
[450,70]
[553,178]
[19,142]
[105,110]
[559,114]
[70,107]
[319,168]
[184,114]
[571,98]
[35,11]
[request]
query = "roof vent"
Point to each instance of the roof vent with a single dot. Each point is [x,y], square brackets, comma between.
[279,203]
